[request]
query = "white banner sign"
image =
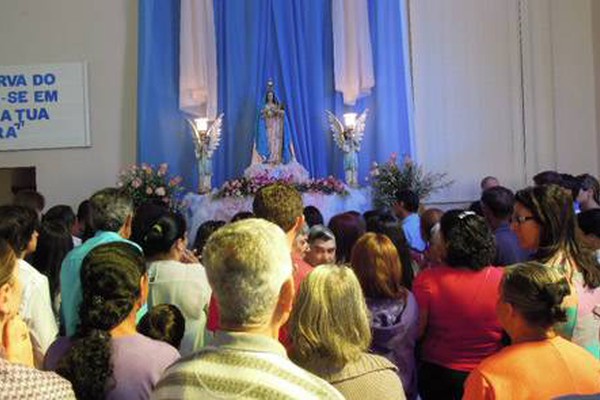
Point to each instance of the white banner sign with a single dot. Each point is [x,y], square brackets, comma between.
[43,106]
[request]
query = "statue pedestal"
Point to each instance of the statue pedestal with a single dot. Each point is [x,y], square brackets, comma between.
[292,172]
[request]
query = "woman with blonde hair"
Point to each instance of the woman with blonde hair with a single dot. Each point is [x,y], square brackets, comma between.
[331,335]
[539,363]
[393,308]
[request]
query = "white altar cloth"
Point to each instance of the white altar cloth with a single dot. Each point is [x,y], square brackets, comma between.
[205,207]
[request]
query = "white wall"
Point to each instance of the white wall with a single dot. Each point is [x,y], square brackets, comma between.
[505,88]
[103,33]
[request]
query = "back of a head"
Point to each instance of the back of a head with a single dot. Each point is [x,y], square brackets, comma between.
[489,182]
[110,279]
[589,222]
[377,221]
[347,228]
[280,204]
[537,292]
[409,199]
[389,226]
[53,244]
[163,322]
[469,241]
[587,182]
[110,208]
[62,214]
[204,231]
[571,184]
[330,317]
[547,178]
[145,215]
[313,216]
[499,201]
[242,215]
[247,263]
[429,219]
[31,199]
[377,265]
[84,219]
[17,224]
[162,233]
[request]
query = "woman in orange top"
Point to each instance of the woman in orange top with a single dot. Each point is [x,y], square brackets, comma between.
[539,364]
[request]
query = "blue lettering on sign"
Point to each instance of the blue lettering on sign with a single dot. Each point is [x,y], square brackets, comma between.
[43,96]
[10,132]
[46,79]
[5,116]
[32,114]
[17,97]
[13,80]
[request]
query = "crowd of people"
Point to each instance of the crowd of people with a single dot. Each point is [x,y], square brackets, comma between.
[497,301]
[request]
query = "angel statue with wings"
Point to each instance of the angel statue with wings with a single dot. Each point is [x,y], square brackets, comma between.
[206,141]
[348,139]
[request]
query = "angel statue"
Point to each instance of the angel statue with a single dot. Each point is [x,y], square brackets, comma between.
[206,141]
[273,142]
[348,139]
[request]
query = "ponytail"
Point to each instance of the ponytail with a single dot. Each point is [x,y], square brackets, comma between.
[110,281]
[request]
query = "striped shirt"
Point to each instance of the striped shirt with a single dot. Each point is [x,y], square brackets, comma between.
[241,366]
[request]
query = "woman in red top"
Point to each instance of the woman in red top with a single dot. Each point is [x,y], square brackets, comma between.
[457,306]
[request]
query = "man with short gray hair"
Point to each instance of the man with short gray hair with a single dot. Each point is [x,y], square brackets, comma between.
[112,212]
[249,268]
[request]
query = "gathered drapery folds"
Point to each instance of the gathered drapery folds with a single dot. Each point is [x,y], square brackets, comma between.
[290,42]
[353,58]
[197,59]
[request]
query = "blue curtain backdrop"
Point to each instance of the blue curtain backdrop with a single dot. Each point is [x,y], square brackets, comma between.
[290,42]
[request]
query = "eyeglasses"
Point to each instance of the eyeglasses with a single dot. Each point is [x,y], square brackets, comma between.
[519,219]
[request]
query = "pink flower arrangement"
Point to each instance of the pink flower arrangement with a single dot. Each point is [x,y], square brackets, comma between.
[242,187]
[145,183]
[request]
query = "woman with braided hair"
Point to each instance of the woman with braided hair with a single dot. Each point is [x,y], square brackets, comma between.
[539,364]
[107,358]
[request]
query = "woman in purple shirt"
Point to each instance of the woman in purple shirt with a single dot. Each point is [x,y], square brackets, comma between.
[393,308]
[107,358]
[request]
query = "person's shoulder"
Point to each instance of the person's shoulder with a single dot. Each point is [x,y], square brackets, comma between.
[153,345]
[29,273]
[374,362]
[575,351]
[27,382]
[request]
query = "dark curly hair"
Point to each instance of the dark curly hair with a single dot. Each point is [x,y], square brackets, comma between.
[163,322]
[552,209]
[537,292]
[469,241]
[110,281]
[280,204]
